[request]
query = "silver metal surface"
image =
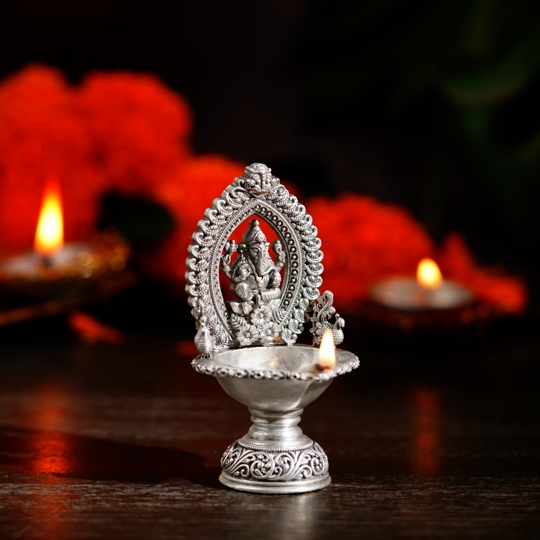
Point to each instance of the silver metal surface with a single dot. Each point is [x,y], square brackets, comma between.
[270,309]
[248,343]
[275,383]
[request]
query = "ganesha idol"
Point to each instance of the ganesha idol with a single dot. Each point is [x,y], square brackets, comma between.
[255,281]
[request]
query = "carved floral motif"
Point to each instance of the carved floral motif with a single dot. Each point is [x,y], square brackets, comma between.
[274,465]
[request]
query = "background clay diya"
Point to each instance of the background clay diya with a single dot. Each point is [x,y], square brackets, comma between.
[428,303]
[425,301]
[55,271]
[75,268]
[429,291]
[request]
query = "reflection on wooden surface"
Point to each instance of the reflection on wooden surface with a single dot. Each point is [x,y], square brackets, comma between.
[426,430]
[124,441]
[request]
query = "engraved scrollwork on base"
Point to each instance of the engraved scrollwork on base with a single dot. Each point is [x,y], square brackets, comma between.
[274,465]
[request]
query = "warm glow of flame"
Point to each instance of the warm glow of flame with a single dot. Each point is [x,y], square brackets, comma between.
[50,228]
[327,351]
[428,274]
[52,449]
[427,420]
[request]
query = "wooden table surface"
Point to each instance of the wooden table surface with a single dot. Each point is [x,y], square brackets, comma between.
[124,442]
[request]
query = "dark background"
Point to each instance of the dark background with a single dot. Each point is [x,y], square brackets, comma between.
[429,104]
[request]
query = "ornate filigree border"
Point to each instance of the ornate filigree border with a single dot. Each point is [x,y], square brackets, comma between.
[203,364]
[281,465]
[258,193]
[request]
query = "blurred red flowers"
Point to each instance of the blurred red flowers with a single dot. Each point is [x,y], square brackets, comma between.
[187,195]
[116,130]
[42,136]
[491,285]
[365,241]
[129,132]
[138,128]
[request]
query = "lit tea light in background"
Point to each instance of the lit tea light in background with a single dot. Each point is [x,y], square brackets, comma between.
[327,352]
[428,291]
[54,259]
[55,270]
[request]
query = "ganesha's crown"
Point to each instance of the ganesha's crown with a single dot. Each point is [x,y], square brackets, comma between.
[275,293]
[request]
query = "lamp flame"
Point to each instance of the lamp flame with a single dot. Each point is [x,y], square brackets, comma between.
[50,228]
[327,351]
[428,274]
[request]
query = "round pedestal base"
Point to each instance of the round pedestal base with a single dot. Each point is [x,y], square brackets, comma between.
[260,469]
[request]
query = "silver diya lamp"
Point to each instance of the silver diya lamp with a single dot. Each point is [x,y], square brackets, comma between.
[249,344]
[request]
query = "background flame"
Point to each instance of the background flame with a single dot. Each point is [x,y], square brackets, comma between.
[428,274]
[50,228]
[327,351]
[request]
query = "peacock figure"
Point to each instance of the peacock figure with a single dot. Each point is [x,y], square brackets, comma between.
[322,312]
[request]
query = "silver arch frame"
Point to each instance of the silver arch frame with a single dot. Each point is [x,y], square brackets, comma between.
[257,193]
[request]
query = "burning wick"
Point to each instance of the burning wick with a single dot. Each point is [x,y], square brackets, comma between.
[50,228]
[327,352]
[428,274]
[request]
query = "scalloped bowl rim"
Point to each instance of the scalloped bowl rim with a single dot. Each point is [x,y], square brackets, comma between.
[207,364]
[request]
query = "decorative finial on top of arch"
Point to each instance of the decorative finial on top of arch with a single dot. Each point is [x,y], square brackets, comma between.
[258,179]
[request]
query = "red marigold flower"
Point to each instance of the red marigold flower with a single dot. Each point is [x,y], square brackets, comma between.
[365,241]
[187,193]
[92,330]
[490,285]
[138,127]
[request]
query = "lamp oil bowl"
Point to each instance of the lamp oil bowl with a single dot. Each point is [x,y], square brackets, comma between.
[275,383]
[249,343]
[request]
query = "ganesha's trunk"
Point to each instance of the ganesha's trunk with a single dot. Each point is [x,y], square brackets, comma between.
[264,265]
